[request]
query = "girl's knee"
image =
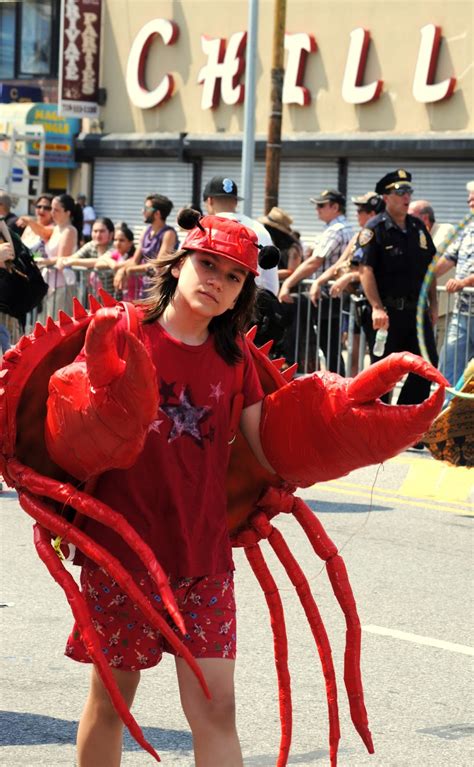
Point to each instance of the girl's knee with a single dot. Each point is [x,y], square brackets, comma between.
[215,714]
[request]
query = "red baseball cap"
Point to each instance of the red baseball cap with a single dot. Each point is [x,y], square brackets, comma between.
[225,237]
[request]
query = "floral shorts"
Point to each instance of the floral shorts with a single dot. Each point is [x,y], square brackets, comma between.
[207,605]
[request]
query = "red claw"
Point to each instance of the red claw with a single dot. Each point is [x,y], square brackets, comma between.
[104,364]
[323,426]
[381,377]
[98,410]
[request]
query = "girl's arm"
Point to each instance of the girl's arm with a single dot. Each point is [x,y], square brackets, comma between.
[250,427]
[81,257]
[42,231]
[89,263]
[67,243]
[107,262]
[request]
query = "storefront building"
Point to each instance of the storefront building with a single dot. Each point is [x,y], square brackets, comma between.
[369,86]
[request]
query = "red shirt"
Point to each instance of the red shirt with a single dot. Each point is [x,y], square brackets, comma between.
[175,493]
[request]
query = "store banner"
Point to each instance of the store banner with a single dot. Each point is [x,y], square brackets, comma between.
[79,58]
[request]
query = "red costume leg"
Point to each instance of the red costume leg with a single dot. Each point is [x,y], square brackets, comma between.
[326,550]
[277,618]
[89,636]
[300,582]
[42,514]
[91,507]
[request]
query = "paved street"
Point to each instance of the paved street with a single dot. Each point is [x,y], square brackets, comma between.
[410,562]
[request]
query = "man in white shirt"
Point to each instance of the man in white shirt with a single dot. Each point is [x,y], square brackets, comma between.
[88,214]
[221,199]
[328,247]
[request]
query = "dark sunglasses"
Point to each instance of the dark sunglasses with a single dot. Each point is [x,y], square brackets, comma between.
[43,207]
[321,204]
[402,191]
[148,208]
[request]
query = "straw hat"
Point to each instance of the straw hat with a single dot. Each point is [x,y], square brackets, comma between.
[279,219]
[278,224]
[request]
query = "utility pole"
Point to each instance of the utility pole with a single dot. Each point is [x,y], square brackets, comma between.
[273,151]
[248,145]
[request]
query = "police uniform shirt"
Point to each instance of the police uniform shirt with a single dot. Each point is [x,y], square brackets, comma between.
[399,258]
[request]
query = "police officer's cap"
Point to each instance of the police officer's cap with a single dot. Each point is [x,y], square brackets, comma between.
[368,201]
[329,195]
[396,179]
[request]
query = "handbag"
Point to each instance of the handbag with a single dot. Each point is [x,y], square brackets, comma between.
[271,316]
[22,287]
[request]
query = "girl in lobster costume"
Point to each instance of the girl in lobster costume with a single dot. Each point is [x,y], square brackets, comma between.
[168,438]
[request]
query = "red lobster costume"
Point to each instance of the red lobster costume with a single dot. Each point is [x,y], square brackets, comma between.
[313,429]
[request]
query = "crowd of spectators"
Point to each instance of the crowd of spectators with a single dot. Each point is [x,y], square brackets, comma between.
[305,299]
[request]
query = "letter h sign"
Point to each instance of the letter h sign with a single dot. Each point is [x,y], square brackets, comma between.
[220,76]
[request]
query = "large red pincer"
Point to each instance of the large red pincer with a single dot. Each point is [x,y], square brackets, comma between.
[100,406]
[322,426]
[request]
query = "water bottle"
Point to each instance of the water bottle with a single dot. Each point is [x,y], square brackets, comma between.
[380,340]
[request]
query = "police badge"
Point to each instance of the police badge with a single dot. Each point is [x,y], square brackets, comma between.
[365,236]
[423,240]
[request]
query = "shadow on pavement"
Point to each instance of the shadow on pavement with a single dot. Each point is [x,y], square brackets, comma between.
[336,507]
[24,729]
[8,495]
[263,760]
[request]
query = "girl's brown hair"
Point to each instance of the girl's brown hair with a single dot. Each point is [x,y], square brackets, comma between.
[225,328]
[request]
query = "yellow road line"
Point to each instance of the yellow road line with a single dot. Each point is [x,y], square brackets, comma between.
[394,498]
[448,483]
[394,492]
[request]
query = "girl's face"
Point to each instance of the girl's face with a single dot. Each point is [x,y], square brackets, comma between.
[61,217]
[121,243]
[100,234]
[209,284]
[43,211]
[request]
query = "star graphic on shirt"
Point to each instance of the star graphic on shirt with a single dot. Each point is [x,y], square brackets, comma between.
[216,391]
[167,390]
[186,418]
[155,425]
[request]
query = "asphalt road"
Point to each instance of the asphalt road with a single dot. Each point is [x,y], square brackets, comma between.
[404,533]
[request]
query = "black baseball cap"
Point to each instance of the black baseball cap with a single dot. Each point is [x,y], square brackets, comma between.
[221,186]
[329,195]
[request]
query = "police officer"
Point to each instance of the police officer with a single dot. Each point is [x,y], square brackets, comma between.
[395,251]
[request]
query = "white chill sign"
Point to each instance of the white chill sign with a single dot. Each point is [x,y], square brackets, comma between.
[220,77]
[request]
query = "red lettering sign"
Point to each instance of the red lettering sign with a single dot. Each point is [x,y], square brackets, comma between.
[220,76]
[298,45]
[352,89]
[424,87]
[137,90]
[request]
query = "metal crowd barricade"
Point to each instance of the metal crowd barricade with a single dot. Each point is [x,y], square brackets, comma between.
[80,283]
[312,336]
[325,335]
[332,326]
